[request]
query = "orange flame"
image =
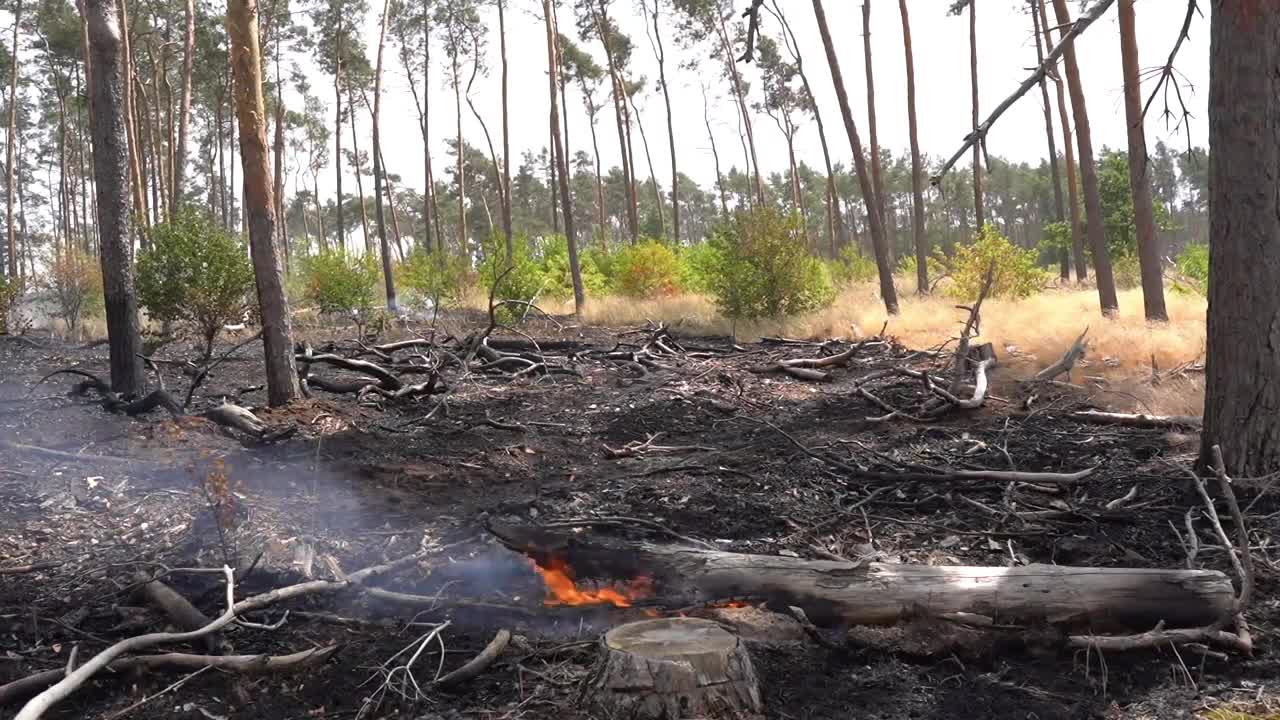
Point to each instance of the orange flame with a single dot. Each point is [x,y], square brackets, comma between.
[730,604]
[562,590]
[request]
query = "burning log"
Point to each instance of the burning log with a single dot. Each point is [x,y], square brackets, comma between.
[675,668]
[834,593]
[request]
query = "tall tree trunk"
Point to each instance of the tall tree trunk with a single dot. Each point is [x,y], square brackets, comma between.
[355,164]
[1242,356]
[653,177]
[388,278]
[979,209]
[1069,155]
[282,229]
[553,68]
[660,53]
[10,142]
[462,178]
[1089,172]
[137,181]
[877,170]
[222,171]
[111,166]
[1054,176]
[277,331]
[337,137]
[323,236]
[184,111]
[430,214]
[887,292]
[506,131]
[620,112]
[1149,251]
[917,169]
[739,93]
[553,187]
[715,154]
[595,146]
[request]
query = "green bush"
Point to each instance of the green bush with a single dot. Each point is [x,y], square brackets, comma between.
[1054,240]
[1126,271]
[11,290]
[648,269]
[1193,265]
[195,273]
[852,267]
[75,279]
[1016,274]
[435,277]
[699,266]
[342,283]
[935,264]
[765,270]
[554,263]
[519,277]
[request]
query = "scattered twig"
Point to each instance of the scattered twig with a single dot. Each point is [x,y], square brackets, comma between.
[479,663]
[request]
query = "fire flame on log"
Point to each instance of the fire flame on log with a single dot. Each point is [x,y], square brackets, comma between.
[562,590]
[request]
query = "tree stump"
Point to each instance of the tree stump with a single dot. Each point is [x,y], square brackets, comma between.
[674,668]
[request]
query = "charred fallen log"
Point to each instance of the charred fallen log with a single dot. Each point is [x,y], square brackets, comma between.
[836,593]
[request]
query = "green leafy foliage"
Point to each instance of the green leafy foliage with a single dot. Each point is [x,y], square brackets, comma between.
[1126,271]
[195,273]
[765,270]
[554,261]
[341,283]
[11,289]
[1193,266]
[1056,239]
[935,264]
[852,267]
[75,280]
[1015,272]
[519,277]
[699,265]
[647,269]
[435,278]
[1117,205]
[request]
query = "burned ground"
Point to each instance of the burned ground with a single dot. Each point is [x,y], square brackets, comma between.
[360,484]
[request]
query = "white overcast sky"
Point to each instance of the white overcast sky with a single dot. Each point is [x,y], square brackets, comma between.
[1006,53]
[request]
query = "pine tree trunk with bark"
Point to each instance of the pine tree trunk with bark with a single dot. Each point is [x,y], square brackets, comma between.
[10,141]
[1149,251]
[660,55]
[887,291]
[337,138]
[1055,177]
[111,168]
[388,278]
[184,110]
[917,169]
[877,170]
[1068,153]
[1089,172]
[1242,356]
[259,200]
[506,132]
[553,68]
[979,209]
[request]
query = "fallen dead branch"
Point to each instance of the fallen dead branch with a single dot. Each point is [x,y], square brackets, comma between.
[635,448]
[21,569]
[479,663]
[1067,361]
[806,368]
[178,609]
[1163,422]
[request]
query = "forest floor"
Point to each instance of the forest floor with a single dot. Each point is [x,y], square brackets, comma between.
[361,483]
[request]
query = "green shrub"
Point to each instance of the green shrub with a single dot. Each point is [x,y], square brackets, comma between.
[1193,266]
[554,262]
[519,277]
[435,277]
[1126,271]
[195,273]
[11,290]
[1016,274]
[935,264]
[852,267]
[1054,240]
[699,266]
[648,269]
[75,279]
[342,283]
[765,270]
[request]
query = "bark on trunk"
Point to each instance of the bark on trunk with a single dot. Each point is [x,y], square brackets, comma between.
[379,183]
[739,94]
[873,136]
[1149,251]
[337,137]
[111,167]
[833,592]
[1068,153]
[1055,177]
[277,335]
[661,56]
[675,668]
[1242,391]
[979,210]
[620,114]
[917,170]
[355,166]
[184,111]
[506,131]
[11,140]
[879,241]
[553,71]
[1089,172]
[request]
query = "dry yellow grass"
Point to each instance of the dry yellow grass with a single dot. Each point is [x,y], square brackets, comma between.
[1031,333]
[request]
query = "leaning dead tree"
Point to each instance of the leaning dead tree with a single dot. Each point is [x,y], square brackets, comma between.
[979,134]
